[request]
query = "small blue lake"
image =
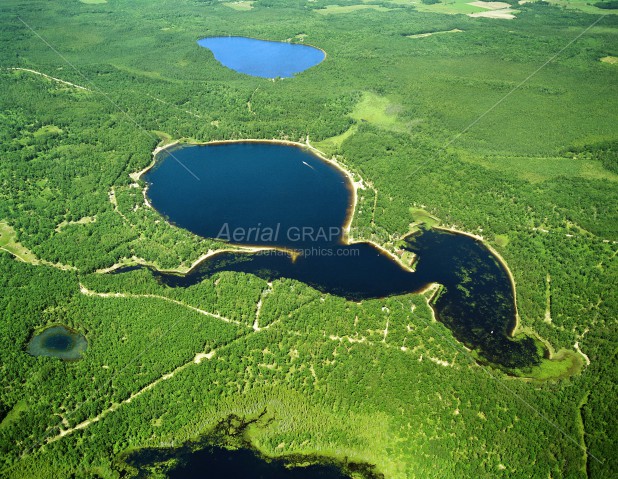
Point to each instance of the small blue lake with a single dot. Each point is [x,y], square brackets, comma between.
[262,58]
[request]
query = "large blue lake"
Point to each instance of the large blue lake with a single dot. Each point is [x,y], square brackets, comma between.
[272,194]
[262,58]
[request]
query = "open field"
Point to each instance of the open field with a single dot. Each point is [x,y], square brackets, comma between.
[9,243]
[241,6]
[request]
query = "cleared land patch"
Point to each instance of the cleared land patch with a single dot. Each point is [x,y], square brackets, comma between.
[491,5]
[372,108]
[449,7]
[610,60]
[428,34]
[498,10]
[581,5]
[338,9]
[378,111]
[9,243]
[82,221]
[506,14]
[241,6]
[47,130]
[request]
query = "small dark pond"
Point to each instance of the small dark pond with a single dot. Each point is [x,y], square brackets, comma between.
[59,342]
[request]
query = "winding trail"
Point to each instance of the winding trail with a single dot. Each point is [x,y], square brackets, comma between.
[64,82]
[197,359]
[89,292]
[258,309]
[84,424]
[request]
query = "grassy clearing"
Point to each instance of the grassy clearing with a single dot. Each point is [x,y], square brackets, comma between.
[378,111]
[563,365]
[338,9]
[332,144]
[505,14]
[82,221]
[502,240]
[241,6]
[374,109]
[536,170]
[420,216]
[13,415]
[47,130]
[610,60]
[581,5]
[8,242]
[165,137]
[451,7]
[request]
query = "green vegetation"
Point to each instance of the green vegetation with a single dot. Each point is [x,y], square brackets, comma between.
[379,381]
[563,365]
[377,111]
[337,9]
[448,6]
[428,34]
[581,6]
[240,6]
[9,243]
[611,5]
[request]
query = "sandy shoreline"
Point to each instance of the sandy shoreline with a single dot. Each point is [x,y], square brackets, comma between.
[135,261]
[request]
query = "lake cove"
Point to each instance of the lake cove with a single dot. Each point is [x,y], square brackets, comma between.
[288,189]
[209,457]
[224,463]
[58,342]
[262,58]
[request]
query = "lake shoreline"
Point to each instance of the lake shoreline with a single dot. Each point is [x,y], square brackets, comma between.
[513,332]
[286,41]
[352,187]
[188,270]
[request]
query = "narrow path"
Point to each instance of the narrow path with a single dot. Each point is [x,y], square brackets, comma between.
[585,356]
[197,359]
[89,292]
[249,102]
[112,199]
[375,205]
[50,78]
[548,299]
[188,112]
[386,330]
[16,255]
[267,290]
[84,424]
[36,261]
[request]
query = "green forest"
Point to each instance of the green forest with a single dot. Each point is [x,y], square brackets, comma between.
[500,128]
